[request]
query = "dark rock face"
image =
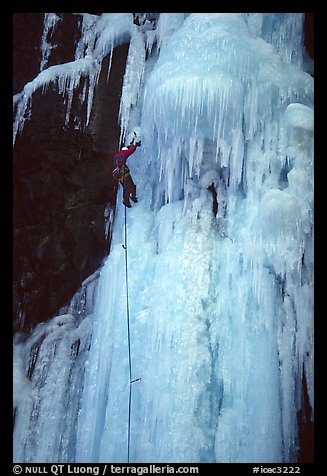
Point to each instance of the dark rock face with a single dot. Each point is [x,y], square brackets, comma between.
[27,34]
[306,427]
[62,185]
[309,33]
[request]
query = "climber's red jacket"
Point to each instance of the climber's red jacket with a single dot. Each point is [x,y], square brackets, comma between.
[122,155]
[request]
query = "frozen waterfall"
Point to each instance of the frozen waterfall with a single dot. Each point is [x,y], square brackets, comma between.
[221,299]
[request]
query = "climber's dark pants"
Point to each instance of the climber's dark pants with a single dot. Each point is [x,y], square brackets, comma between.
[129,189]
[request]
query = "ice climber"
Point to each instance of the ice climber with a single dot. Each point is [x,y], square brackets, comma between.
[122,173]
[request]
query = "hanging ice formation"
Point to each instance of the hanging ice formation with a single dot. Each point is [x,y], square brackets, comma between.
[50,22]
[221,303]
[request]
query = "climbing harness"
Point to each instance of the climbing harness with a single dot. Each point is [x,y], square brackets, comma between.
[129,344]
[121,172]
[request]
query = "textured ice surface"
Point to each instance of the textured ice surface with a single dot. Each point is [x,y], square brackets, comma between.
[221,302]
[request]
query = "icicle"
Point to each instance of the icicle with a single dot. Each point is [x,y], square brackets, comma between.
[93,80]
[131,89]
[108,220]
[50,22]
[110,62]
[67,76]
[22,102]
[89,33]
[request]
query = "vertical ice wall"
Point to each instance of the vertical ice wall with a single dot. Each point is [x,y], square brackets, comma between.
[221,300]
[235,122]
[221,306]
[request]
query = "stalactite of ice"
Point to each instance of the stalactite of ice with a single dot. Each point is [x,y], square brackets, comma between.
[50,22]
[89,34]
[131,90]
[67,77]
[110,63]
[109,213]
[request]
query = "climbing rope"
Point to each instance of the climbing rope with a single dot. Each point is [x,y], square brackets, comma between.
[129,344]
